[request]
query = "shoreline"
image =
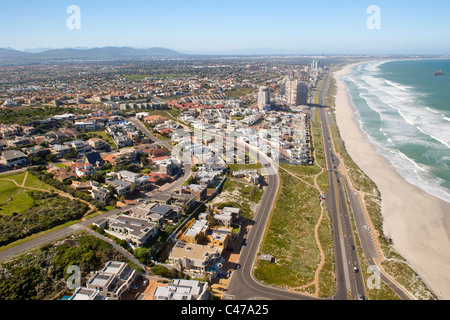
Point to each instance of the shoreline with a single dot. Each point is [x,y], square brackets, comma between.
[418,223]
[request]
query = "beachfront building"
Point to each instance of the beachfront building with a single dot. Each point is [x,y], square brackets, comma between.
[296,92]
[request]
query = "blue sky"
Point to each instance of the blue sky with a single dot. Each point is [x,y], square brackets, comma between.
[213,26]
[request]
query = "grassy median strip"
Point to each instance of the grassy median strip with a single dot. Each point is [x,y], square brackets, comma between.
[290,237]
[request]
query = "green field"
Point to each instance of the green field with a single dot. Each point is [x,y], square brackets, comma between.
[238,93]
[291,238]
[14,198]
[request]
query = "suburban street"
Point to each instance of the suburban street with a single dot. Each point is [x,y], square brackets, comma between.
[64,232]
[243,285]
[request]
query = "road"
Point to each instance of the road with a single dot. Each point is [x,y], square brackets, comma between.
[340,195]
[350,282]
[243,285]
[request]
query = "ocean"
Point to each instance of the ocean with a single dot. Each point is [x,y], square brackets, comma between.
[405,112]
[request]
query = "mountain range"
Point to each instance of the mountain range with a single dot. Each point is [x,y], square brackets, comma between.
[11,56]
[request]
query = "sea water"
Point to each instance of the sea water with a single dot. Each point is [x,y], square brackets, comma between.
[405,112]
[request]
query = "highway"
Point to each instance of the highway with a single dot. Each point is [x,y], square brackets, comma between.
[350,284]
[349,280]
[243,285]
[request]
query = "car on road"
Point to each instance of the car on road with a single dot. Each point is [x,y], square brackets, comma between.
[355,269]
[360,297]
[366,227]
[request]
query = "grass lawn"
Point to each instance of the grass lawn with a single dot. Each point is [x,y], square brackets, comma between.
[290,236]
[18,177]
[236,166]
[19,200]
[34,182]
[60,165]
[238,93]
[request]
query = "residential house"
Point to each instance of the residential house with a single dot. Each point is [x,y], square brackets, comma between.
[227,216]
[198,190]
[94,159]
[84,170]
[98,193]
[158,178]
[141,183]
[60,150]
[207,177]
[79,146]
[252,175]
[83,293]
[113,280]
[196,257]
[155,119]
[195,231]
[157,213]
[62,174]
[85,125]
[172,198]
[135,230]
[122,158]
[158,152]
[98,144]
[122,188]
[10,158]
[182,290]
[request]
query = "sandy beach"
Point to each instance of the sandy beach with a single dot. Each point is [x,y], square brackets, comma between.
[418,223]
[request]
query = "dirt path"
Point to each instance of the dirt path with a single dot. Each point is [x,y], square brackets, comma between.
[316,186]
[61,193]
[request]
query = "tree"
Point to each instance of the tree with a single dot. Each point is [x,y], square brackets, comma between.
[50,157]
[142,254]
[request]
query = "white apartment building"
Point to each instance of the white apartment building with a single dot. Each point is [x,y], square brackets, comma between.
[263,97]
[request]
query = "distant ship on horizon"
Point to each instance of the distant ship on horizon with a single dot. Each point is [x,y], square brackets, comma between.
[438,73]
